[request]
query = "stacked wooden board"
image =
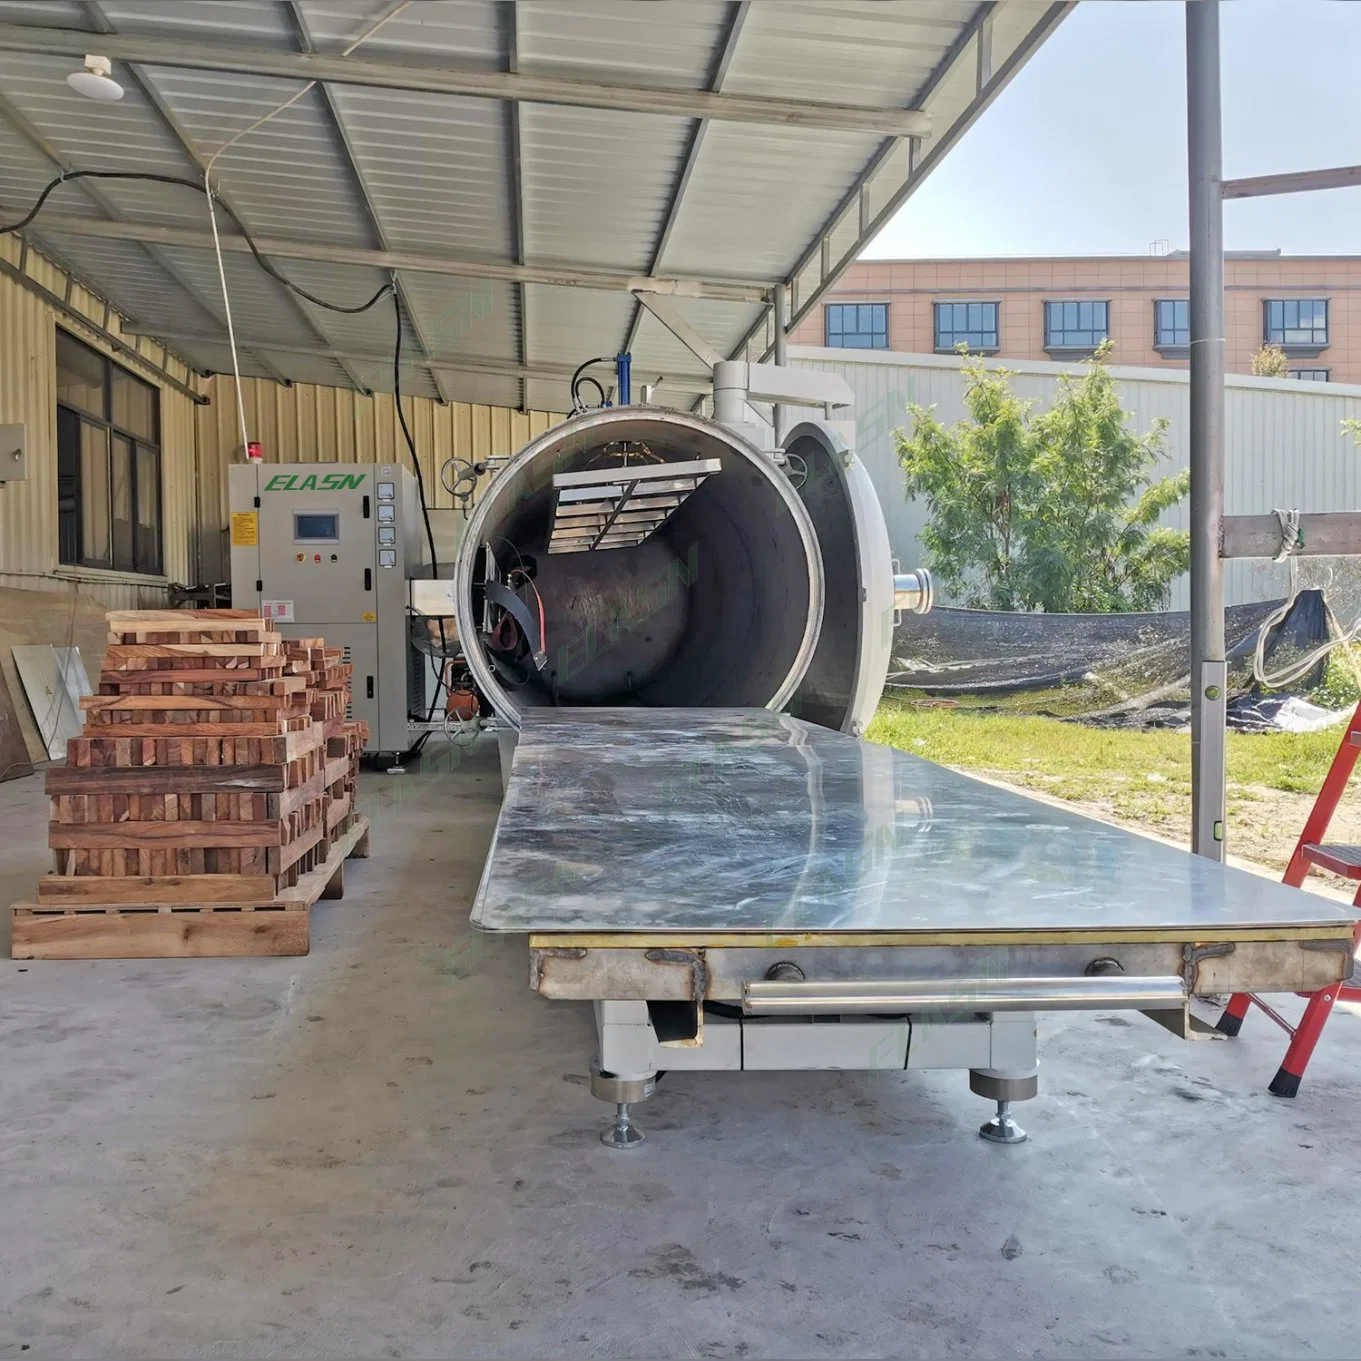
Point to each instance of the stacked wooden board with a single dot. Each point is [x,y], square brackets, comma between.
[210,800]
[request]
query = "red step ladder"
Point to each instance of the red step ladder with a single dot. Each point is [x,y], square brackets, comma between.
[1311,850]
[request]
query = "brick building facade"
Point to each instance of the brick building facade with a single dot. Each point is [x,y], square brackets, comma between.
[1061,308]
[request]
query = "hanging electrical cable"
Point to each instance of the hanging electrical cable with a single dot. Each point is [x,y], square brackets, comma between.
[69,176]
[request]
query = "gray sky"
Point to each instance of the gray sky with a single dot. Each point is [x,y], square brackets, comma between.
[1085,152]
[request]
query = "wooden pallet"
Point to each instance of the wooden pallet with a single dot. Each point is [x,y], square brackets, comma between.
[179,917]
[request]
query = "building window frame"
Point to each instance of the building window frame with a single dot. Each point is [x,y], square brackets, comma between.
[982,338]
[1284,325]
[1071,325]
[1172,327]
[1312,375]
[109,451]
[869,328]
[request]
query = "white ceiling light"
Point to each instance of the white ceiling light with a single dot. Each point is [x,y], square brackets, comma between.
[95,82]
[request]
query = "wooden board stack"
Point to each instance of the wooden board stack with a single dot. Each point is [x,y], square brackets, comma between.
[328,684]
[210,800]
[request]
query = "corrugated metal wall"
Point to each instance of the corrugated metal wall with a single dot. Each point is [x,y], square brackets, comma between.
[28,509]
[303,422]
[1284,441]
[322,424]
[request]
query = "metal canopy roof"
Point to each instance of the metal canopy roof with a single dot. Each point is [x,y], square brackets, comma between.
[523,171]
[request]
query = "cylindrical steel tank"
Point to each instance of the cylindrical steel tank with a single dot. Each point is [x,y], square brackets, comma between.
[721,607]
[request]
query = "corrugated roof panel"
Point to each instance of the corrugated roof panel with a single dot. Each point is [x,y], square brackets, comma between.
[597,184]
[436,168]
[287,177]
[470,30]
[562,333]
[133,281]
[48,13]
[758,195]
[122,136]
[478,317]
[657,352]
[259,309]
[257,21]
[218,359]
[25,172]
[371,332]
[481,389]
[864,52]
[669,43]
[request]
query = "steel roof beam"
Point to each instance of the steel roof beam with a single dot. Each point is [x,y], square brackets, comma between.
[976,44]
[563,276]
[90,188]
[737,17]
[1293,182]
[491,368]
[104,26]
[205,55]
[510,21]
[347,154]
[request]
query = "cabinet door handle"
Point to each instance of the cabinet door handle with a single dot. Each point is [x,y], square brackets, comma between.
[368,578]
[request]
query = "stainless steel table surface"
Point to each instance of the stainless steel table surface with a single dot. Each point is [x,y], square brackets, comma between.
[741,820]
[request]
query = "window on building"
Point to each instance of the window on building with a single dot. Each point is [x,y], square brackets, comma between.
[1296,323]
[966,323]
[1075,325]
[1172,324]
[1311,375]
[108,463]
[857,325]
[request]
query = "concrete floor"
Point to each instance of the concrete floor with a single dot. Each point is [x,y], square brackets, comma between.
[388,1149]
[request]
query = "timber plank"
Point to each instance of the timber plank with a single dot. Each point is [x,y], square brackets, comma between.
[190,779]
[157,935]
[227,730]
[187,621]
[208,703]
[149,836]
[267,674]
[84,889]
[117,653]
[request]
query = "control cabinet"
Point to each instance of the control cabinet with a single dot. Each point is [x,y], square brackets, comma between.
[325,550]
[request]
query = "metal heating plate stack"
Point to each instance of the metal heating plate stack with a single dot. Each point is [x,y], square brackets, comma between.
[620,506]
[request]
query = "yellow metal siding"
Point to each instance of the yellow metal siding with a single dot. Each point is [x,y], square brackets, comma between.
[28,509]
[309,424]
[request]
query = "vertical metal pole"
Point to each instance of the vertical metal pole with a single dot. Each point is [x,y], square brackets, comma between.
[781,356]
[1208,670]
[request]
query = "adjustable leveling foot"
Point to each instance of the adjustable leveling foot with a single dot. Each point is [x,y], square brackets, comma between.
[1002,1129]
[623,1092]
[1003,1088]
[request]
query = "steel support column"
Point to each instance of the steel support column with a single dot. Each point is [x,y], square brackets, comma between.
[1208,669]
[781,320]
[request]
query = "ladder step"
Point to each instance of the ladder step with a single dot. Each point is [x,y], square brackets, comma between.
[1343,860]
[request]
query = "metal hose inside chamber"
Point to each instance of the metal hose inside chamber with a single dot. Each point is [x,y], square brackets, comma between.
[719,607]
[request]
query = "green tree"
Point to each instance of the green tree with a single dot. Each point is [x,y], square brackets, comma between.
[1052,510]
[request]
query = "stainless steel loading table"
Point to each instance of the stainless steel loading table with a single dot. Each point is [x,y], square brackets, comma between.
[685,822]
[723,882]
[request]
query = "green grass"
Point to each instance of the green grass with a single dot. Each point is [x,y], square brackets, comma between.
[1141,776]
